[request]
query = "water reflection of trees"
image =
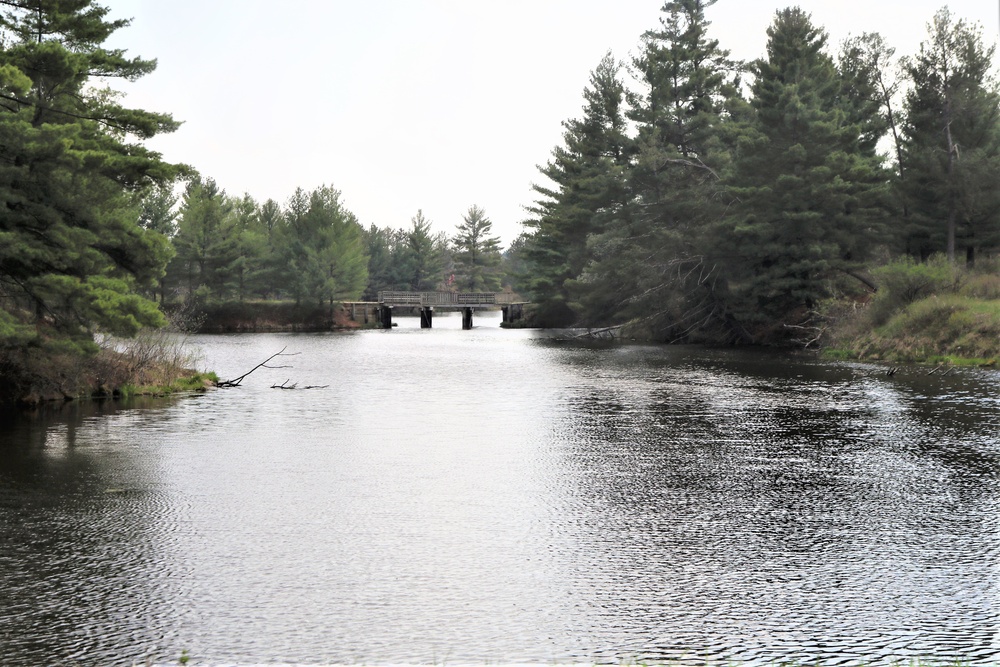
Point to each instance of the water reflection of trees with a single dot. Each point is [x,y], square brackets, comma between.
[768,503]
[77,504]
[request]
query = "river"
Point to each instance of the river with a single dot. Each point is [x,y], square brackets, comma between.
[497,496]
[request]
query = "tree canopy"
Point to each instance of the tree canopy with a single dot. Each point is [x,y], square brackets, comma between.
[735,199]
[72,254]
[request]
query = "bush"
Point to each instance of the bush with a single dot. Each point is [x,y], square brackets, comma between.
[982,286]
[906,280]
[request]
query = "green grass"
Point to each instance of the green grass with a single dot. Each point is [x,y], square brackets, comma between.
[949,329]
[196,382]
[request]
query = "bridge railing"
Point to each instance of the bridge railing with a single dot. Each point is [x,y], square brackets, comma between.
[447,298]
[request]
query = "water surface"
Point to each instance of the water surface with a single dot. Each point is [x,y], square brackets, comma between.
[496,496]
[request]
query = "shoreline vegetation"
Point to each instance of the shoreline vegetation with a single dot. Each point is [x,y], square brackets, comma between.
[155,362]
[930,312]
[697,199]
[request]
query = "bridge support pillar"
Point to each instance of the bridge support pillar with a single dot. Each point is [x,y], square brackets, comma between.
[467,318]
[426,317]
[512,313]
[385,317]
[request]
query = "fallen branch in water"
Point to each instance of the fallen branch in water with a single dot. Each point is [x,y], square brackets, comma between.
[600,333]
[285,385]
[236,382]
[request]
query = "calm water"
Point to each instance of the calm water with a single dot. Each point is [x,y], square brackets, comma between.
[493,496]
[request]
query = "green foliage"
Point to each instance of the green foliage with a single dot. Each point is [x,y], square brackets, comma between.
[940,325]
[514,266]
[984,286]
[205,243]
[157,209]
[477,254]
[232,249]
[321,247]
[421,258]
[587,174]
[907,280]
[924,311]
[72,258]
[385,248]
[951,144]
[810,191]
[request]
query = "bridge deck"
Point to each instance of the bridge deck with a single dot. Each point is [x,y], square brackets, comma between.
[448,299]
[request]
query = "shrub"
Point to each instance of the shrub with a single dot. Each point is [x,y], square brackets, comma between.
[982,286]
[906,280]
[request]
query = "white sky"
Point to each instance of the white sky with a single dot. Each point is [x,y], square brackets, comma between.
[419,104]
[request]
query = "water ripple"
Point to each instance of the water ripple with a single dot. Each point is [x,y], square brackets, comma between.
[490,496]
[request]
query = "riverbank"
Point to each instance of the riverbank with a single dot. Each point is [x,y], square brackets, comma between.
[272,317]
[31,378]
[925,313]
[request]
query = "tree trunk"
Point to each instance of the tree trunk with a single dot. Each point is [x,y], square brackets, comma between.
[952,205]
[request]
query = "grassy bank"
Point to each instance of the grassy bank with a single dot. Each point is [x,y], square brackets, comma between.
[931,312]
[155,362]
[33,377]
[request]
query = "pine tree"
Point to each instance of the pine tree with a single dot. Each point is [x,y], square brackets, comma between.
[249,269]
[385,247]
[951,146]
[587,173]
[72,255]
[422,264]
[323,249]
[650,260]
[477,253]
[206,242]
[807,178]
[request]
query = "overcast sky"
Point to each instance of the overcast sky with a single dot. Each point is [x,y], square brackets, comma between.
[419,104]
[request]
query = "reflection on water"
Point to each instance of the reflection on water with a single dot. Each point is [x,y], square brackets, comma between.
[491,496]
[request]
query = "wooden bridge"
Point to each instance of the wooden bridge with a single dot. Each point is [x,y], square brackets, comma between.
[509,303]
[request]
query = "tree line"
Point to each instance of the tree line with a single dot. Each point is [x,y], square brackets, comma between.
[312,249]
[705,198]
[94,231]
[709,199]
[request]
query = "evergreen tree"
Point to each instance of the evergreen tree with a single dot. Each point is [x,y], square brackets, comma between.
[292,239]
[651,261]
[323,248]
[72,255]
[808,179]
[951,146]
[515,268]
[206,242]
[385,248]
[157,210]
[477,254]
[422,264]
[158,213]
[587,173]
[871,87]
[249,268]
[271,219]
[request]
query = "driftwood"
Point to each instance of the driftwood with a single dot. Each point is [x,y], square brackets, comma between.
[295,385]
[600,334]
[811,341]
[236,381]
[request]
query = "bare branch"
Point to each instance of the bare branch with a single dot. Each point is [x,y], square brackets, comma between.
[236,382]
